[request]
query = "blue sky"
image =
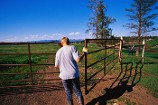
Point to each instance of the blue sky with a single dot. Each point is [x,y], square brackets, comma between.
[27,20]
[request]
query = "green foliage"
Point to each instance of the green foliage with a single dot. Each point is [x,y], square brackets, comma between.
[152,43]
[141,16]
[99,22]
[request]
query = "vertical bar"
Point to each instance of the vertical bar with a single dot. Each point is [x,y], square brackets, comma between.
[143,50]
[30,62]
[105,59]
[85,45]
[113,50]
[120,50]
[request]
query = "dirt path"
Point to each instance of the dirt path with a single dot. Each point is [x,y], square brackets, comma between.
[123,94]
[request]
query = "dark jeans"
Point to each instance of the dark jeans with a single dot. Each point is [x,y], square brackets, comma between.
[71,85]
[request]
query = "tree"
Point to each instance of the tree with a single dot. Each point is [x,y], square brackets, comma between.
[99,22]
[141,14]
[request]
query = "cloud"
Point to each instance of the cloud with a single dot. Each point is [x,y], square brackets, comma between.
[12,39]
[74,33]
[45,37]
[34,37]
[54,36]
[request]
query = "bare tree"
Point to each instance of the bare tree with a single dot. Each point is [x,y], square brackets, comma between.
[99,22]
[141,14]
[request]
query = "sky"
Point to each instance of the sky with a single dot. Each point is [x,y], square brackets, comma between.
[32,20]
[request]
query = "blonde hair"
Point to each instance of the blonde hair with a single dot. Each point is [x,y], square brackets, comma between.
[66,40]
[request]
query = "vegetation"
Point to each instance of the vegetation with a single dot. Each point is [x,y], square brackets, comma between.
[99,22]
[152,43]
[149,70]
[142,18]
[23,58]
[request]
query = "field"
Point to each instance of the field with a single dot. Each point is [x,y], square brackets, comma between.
[150,71]
[148,80]
[23,58]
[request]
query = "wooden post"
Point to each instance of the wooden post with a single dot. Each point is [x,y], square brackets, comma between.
[120,50]
[143,50]
[85,45]
[105,53]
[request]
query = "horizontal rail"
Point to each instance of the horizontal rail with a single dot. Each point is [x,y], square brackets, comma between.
[22,43]
[155,51]
[96,51]
[24,64]
[20,86]
[125,46]
[100,70]
[14,81]
[34,42]
[107,47]
[27,53]
[95,73]
[101,39]
[27,80]
[27,73]
[99,61]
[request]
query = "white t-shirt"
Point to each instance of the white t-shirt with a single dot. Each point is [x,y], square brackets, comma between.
[65,60]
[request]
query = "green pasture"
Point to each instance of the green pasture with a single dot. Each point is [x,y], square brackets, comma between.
[149,71]
[23,58]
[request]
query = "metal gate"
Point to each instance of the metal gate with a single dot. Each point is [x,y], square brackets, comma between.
[97,68]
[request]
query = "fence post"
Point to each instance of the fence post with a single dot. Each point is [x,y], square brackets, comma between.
[120,50]
[85,45]
[105,56]
[143,50]
[30,62]
[113,43]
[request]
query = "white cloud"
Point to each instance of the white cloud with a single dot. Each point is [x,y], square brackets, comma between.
[55,36]
[74,33]
[13,39]
[33,38]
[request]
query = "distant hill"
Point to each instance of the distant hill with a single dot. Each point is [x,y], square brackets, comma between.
[57,41]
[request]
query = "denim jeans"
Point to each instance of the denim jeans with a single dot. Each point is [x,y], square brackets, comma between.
[71,85]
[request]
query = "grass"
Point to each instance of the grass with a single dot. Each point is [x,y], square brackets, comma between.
[148,80]
[24,59]
[152,43]
[149,71]
[150,77]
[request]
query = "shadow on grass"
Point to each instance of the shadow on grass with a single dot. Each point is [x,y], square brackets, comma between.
[125,81]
